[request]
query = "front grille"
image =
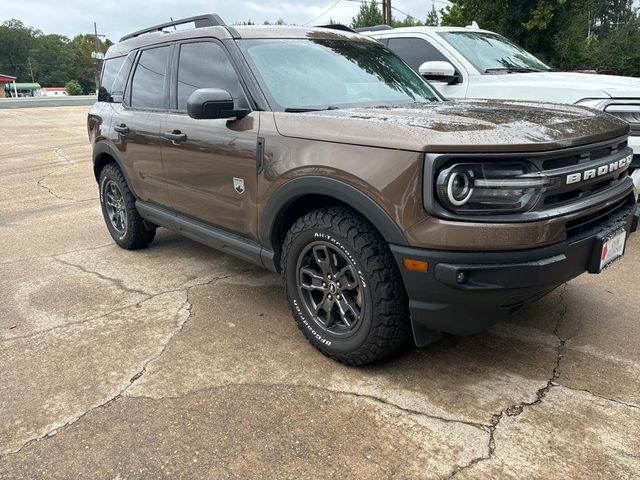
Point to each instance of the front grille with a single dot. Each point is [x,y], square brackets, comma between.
[595,219]
[582,158]
[579,161]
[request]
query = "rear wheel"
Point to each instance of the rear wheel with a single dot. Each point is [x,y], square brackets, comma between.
[343,286]
[124,223]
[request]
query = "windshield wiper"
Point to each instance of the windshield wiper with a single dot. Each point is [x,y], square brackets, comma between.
[512,70]
[309,109]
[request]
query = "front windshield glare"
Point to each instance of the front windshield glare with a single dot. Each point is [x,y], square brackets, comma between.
[489,52]
[310,73]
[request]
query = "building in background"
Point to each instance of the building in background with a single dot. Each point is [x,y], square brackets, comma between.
[53,91]
[23,90]
[7,82]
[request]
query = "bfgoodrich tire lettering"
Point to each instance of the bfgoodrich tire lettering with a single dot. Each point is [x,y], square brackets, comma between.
[124,223]
[354,308]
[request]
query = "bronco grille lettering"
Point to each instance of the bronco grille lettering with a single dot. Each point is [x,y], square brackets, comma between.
[599,171]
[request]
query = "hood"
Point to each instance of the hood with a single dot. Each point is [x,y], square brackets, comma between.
[578,85]
[463,126]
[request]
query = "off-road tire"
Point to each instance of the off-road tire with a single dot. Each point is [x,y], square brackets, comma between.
[385,321]
[136,234]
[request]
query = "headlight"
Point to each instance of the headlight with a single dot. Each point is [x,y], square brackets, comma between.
[490,188]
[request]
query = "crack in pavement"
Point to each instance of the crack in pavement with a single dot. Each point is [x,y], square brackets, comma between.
[478,425]
[119,283]
[601,397]
[69,163]
[91,318]
[30,153]
[515,410]
[54,255]
[483,428]
[179,328]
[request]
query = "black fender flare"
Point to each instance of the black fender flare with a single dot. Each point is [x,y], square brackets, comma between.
[100,148]
[318,185]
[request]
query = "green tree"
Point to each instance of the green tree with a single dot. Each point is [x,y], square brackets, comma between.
[408,21]
[432,17]
[368,15]
[73,87]
[52,60]
[86,67]
[16,41]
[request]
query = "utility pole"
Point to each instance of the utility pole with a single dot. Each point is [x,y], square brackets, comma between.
[97,54]
[31,70]
[386,12]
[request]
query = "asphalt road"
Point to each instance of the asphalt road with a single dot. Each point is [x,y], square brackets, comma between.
[178,361]
[37,102]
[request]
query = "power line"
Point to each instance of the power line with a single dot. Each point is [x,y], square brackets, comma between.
[404,13]
[323,13]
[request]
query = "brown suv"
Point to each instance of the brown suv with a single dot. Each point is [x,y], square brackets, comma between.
[320,154]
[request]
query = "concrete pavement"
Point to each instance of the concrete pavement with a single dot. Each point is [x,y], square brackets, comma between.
[182,362]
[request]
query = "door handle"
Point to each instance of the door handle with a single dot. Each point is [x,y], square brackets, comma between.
[122,128]
[176,136]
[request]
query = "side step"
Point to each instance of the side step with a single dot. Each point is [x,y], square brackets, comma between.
[206,234]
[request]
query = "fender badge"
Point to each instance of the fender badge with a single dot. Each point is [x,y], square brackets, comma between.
[238,185]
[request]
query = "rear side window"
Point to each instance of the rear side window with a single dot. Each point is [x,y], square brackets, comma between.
[415,51]
[206,65]
[114,78]
[147,87]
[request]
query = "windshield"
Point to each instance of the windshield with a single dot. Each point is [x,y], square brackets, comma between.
[308,74]
[491,52]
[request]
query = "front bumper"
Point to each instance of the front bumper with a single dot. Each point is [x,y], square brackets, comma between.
[466,292]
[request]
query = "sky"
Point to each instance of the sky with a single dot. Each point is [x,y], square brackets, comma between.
[116,18]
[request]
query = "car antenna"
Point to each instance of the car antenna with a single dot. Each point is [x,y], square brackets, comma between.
[474,26]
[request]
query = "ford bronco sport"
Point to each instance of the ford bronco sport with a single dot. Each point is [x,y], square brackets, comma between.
[319,154]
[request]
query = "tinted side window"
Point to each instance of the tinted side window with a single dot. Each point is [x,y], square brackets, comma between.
[110,71]
[147,89]
[206,65]
[117,90]
[415,51]
[114,78]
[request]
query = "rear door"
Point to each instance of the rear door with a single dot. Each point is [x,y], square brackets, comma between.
[211,173]
[136,122]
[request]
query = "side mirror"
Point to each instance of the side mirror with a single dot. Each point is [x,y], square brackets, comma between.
[439,72]
[213,103]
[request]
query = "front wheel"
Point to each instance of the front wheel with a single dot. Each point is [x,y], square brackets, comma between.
[343,286]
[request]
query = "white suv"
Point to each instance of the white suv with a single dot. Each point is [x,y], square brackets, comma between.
[474,63]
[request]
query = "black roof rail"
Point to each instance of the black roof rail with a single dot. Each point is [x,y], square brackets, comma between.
[375,28]
[200,21]
[337,26]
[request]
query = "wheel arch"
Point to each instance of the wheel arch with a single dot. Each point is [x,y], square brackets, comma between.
[303,195]
[104,154]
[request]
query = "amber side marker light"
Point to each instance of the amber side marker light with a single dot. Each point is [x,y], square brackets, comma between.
[415,265]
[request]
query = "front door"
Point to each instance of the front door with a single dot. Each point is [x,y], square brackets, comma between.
[210,165]
[415,51]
